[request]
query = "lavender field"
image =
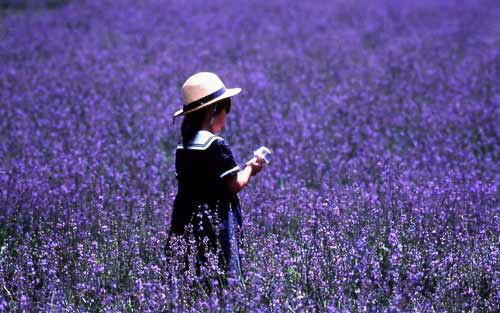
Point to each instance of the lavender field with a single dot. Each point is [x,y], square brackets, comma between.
[382,194]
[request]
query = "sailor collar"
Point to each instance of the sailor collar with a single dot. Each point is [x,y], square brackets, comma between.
[201,141]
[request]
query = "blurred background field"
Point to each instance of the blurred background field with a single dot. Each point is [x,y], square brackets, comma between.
[382,193]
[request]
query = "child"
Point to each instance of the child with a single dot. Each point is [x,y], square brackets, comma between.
[208,176]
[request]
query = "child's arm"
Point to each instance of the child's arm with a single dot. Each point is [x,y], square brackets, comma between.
[240,181]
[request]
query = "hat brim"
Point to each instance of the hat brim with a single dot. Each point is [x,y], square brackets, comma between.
[229,93]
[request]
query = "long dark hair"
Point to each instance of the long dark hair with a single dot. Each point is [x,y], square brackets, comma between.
[191,124]
[192,121]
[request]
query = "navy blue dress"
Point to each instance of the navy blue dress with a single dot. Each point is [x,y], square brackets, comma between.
[205,203]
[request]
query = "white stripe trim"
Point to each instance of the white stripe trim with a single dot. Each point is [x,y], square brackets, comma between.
[201,141]
[199,146]
[236,168]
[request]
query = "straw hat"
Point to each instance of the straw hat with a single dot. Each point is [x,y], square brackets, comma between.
[203,89]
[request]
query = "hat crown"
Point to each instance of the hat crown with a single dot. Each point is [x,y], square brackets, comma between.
[200,85]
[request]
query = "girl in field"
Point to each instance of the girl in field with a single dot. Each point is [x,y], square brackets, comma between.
[208,176]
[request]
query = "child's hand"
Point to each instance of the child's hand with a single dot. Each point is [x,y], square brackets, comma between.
[256,164]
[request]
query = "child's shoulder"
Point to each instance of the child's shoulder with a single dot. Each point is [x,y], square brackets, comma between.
[203,141]
[219,145]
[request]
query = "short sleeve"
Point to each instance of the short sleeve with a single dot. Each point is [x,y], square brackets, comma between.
[224,161]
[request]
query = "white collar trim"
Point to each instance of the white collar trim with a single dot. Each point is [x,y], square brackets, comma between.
[201,141]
